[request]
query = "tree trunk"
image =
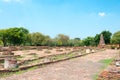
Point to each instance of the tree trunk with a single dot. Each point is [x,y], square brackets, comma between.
[4,43]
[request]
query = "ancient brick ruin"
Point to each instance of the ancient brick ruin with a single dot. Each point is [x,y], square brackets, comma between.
[101,42]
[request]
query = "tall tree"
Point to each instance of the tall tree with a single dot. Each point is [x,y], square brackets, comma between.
[97,39]
[17,36]
[89,41]
[116,38]
[62,40]
[47,41]
[107,36]
[76,42]
[37,38]
[3,36]
[29,39]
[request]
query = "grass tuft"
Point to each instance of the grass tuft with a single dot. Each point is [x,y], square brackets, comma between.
[106,63]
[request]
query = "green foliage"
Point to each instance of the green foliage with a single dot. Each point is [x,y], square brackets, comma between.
[17,36]
[29,39]
[76,42]
[21,36]
[62,40]
[107,36]
[13,36]
[116,38]
[3,36]
[37,38]
[7,74]
[97,39]
[52,42]
[46,41]
[106,62]
[1,43]
[89,41]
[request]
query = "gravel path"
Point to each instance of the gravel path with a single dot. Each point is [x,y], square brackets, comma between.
[82,68]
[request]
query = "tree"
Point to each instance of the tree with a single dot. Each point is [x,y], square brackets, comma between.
[77,39]
[1,43]
[3,36]
[17,36]
[71,42]
[76,42]
[54,42]
[62,40]
[89,41]
[107,36]
[37,38]
[47,41]
[116,38]
[29,39]
[97,39]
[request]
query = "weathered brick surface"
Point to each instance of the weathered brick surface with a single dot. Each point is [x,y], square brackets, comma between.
[82,68]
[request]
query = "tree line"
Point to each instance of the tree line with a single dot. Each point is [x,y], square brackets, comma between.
[17,36]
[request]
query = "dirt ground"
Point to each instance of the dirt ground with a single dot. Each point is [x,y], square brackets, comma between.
[82,68]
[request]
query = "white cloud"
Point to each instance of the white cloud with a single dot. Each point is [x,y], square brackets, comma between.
[101,14]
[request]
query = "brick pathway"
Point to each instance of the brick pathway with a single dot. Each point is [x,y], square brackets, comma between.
[82,68]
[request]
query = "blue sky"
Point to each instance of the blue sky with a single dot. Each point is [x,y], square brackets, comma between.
[75,18]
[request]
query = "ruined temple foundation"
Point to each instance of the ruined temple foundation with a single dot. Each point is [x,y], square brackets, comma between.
[10,62]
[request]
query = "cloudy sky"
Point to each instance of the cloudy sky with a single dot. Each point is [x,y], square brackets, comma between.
[75,18]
